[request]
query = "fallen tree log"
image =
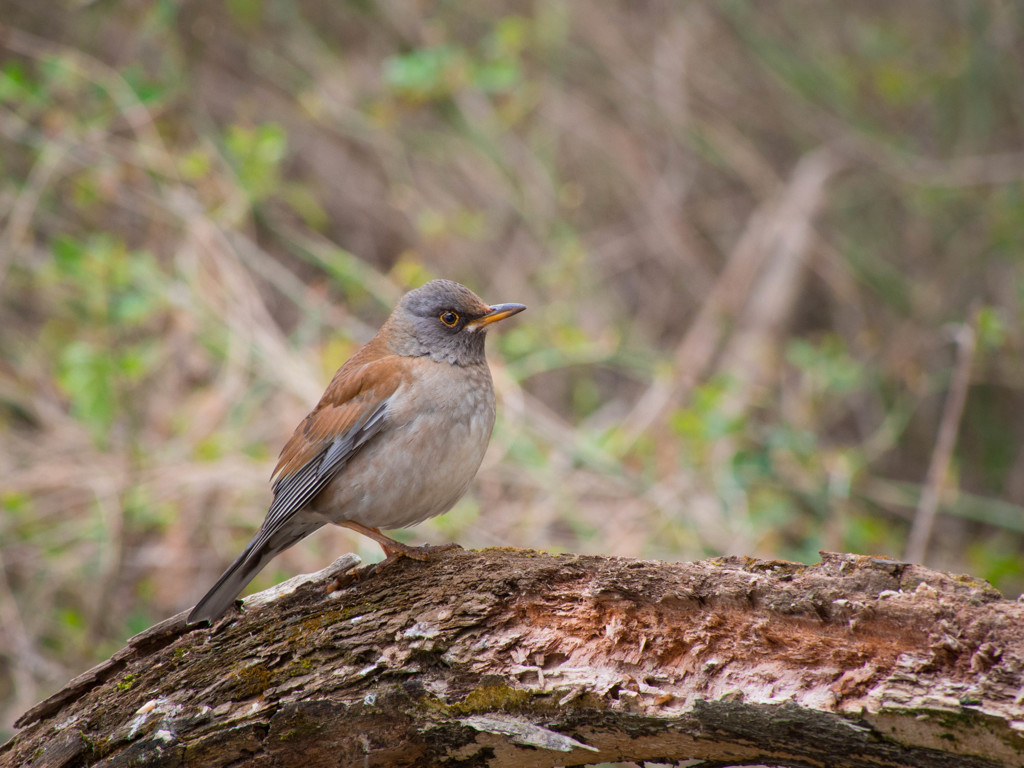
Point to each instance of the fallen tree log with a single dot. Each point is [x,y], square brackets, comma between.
[519,658]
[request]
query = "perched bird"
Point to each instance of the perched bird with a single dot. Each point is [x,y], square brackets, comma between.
[396,438]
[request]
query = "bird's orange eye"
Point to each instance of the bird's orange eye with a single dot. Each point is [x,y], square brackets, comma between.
[449,318]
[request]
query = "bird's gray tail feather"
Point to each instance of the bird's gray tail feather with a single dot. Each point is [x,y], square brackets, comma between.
[257,553]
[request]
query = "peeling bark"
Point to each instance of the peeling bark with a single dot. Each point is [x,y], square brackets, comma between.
[518,658]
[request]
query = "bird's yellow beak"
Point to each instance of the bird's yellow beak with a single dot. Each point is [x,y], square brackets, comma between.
[498,312]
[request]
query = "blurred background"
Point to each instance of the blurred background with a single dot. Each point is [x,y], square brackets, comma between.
[772,256]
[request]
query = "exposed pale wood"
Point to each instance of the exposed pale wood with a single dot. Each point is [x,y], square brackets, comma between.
[519,658]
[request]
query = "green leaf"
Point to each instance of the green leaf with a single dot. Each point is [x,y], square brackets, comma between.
[991,328]
[15,84]
[497,76]
[85,375]
[257,154]
[427,72]
[68,255]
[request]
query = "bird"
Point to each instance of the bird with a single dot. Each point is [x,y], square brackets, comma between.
[396,438]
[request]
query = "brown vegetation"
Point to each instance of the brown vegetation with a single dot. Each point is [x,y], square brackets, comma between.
[747,233]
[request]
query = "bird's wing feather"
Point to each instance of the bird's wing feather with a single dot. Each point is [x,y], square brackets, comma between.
[351,412]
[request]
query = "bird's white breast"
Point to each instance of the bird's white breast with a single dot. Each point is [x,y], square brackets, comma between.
[436,433]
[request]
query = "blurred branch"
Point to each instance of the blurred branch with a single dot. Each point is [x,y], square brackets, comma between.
[965,171]
[893,495]
[136,114]
[778,229]
[754,343]
[970,171]
[342,265]
[938,469]
[19,217]
[26,663]
[223,281]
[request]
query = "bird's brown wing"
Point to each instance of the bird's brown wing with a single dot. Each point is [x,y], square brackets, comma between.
[352,410]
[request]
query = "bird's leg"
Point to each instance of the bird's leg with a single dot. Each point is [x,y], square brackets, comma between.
[393,550]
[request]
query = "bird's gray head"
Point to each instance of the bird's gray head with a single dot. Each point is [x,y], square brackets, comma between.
[444,321]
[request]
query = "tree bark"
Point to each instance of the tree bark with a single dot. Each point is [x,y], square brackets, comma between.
[519,658]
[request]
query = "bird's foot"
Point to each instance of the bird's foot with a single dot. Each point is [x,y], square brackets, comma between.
[416,553]
[393,550]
